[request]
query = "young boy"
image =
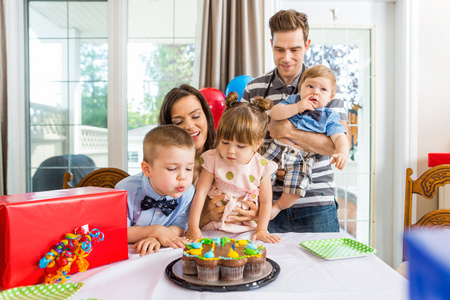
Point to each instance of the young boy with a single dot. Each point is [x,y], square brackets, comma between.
[306,111]
[160,196]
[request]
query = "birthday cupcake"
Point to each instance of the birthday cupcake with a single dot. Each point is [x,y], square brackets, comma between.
[223,257]
[256,256]
[188,261]
[208,269]
[232,269]
[189,265]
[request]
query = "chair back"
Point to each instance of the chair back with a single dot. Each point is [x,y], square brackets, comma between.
[427,185]
[103,177]
[48,175]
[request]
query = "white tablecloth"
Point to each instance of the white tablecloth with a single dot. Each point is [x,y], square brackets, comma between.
[303,276]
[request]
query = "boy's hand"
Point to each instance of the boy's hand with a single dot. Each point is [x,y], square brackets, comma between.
[340,160]
[265,236]
[173,241]
[147,246]
[193,234]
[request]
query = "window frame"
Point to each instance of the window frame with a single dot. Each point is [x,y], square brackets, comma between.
[117,83]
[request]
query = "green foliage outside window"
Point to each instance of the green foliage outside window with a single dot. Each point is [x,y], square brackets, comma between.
[94,94]
[166,66]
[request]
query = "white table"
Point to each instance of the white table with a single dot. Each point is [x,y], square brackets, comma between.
[303,276]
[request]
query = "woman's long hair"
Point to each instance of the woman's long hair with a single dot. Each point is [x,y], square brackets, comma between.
[184,90]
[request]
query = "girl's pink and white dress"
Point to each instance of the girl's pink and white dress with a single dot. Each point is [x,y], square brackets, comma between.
[238,183]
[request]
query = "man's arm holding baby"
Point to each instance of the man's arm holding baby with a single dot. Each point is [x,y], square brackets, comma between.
[309,141]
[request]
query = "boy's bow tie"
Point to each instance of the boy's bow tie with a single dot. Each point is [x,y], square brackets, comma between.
[166,206]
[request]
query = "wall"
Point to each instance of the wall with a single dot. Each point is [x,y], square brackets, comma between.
[433,86]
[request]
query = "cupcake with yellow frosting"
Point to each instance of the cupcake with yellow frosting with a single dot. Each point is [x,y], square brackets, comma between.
[188,261]
[256,261]
[232,267]
[225,258]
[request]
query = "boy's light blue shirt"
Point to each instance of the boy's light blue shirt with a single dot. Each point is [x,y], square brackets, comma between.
[328,123]
[138,186]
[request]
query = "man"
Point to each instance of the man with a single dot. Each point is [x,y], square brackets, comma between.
[317,211]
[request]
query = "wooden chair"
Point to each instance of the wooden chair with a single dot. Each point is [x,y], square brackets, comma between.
[427,185]
[103,177]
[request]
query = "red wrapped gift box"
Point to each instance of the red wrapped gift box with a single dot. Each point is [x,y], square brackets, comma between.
[436,159]
[31,224]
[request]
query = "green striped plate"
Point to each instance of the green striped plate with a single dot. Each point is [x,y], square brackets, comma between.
[57,291]
[338,248]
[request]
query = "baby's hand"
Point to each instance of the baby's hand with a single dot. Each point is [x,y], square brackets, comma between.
[147,246]
[193,234]
[305,104]
[340,160]
[265,236]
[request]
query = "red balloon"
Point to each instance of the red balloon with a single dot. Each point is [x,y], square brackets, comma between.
[216,101]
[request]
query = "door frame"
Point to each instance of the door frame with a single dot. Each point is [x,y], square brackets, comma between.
[388,231]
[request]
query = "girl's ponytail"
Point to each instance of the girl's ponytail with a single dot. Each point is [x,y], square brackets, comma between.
[262,103]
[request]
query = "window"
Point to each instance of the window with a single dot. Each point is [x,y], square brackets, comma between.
[161,56]
[133,156]
[68,80]
[347,52]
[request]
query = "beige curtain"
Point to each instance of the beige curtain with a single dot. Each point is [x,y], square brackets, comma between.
[232,41]
[3,102]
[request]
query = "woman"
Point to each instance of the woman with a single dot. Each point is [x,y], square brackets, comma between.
[185,107]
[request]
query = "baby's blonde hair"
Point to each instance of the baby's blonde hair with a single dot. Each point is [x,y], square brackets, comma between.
[319,71]
[246,122]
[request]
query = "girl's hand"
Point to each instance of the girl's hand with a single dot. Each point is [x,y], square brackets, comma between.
[147,246]
[266,237]
[340,160]
[193,234]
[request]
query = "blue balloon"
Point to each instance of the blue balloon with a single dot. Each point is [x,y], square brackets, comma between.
[237,84]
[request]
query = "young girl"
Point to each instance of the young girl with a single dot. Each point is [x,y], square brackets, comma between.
[235,169]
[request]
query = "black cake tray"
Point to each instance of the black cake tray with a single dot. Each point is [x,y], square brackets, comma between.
[174,271]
